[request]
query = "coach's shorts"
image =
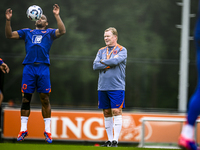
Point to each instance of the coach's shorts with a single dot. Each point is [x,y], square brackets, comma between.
[111,99]
[36,76]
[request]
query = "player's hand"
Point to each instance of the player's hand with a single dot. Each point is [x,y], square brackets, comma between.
[56,9]
[8,13]
[4,67]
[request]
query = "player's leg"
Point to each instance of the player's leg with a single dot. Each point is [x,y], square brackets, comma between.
[46,113]
[28,87]
[104,104]
[117,103]
[46,110]
[25,112]
[186,140]
[44,89]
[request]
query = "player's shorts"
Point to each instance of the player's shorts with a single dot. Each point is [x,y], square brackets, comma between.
[111,99]
[36,76]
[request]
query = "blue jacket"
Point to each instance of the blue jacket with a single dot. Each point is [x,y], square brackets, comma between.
[111,68]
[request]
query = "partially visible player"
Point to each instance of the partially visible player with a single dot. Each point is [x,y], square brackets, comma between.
[5,69]
[36,73]
[186,139]
[111,63]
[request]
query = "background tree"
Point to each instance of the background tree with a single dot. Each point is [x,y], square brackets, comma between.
[146,28]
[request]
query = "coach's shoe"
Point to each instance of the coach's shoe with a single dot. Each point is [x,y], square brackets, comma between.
[114,144]
[22,135]
[48,137]
[106,144]
[187,144]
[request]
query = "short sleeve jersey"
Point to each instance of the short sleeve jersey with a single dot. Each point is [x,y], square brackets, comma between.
[37,44]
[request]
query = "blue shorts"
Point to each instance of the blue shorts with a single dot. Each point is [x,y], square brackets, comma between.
[111,99]
[36,76]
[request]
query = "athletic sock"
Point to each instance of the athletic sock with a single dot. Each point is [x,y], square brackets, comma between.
[117,126]
[109,127]
[188,132]
[24,121]
[47,122]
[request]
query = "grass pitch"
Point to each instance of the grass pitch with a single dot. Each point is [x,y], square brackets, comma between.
[33,146]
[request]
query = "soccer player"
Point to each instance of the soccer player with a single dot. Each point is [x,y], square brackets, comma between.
[36,74]
[5,69]
[186,139]
[111,63]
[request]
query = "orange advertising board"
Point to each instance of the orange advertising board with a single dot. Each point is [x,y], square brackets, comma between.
[89,126]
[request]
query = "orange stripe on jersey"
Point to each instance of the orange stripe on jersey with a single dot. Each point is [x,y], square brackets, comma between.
[102,48]
[120,47]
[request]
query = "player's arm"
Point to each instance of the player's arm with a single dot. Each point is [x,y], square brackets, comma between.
[8,30]
[120,57]
[61,27]
[4,67]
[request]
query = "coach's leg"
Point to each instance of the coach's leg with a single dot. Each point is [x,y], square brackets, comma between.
[117,113]
[108,119]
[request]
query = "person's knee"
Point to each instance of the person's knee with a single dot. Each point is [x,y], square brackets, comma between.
[107,112]
[26,99]
[44,97]
[117,111]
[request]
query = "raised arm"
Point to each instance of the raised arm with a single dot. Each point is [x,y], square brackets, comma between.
[8,30]
[61,27]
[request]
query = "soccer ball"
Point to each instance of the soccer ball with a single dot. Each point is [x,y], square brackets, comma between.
[34,12]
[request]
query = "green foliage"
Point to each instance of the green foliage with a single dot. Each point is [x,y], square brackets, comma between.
[146,28]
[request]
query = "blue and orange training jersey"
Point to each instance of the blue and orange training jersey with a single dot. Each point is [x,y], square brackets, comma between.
[37,44]
[111,68]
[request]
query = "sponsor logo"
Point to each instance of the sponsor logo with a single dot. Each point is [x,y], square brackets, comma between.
[115,52]
[36,38]
[79,128]
[24,86]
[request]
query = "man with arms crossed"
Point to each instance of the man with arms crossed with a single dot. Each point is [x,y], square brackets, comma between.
[111,63]
[36,72]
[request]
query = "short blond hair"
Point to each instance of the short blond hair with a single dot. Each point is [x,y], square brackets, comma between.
[113,30]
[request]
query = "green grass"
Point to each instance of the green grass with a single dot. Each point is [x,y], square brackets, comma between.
[33,146]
